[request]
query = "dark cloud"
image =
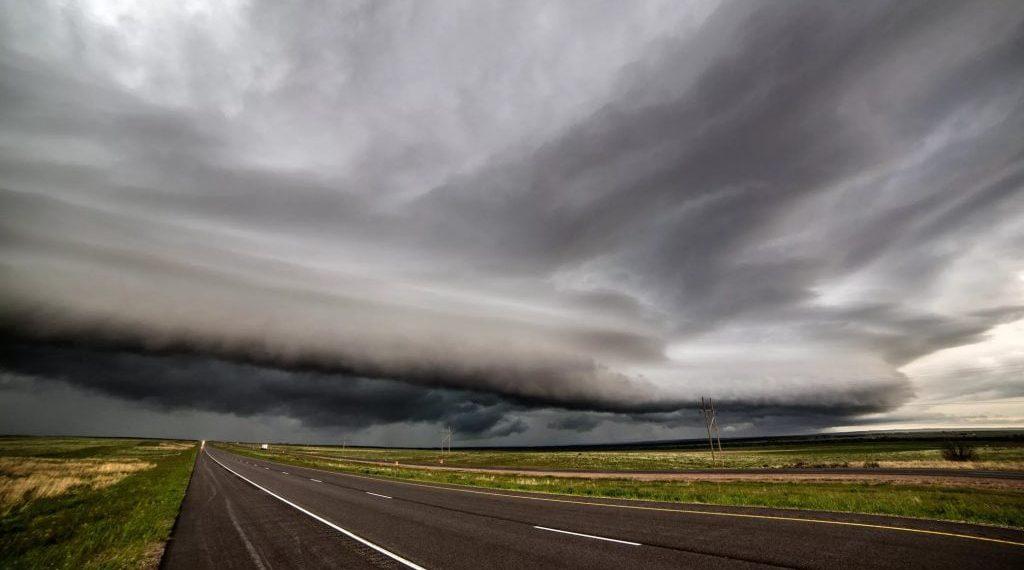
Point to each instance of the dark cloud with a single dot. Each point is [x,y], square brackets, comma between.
[511,212]
[184,381]
[331,401]
[576,422]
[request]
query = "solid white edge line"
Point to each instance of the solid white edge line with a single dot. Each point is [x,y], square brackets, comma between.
[588,536]
[316,480]
[350,534]
[377,494]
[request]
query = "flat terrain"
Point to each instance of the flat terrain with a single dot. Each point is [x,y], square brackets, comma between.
[927,476]
[992,455]
[244,512]
[89,502]
[111,503]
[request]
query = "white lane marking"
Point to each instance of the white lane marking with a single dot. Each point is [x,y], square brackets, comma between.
[588,536]
[347,533]
[253,553]
[284,472]
[316,480]
[377,495]
[267,468]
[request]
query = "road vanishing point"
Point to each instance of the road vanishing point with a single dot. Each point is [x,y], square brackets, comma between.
[241,512]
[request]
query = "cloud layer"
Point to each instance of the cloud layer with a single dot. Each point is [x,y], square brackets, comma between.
[509,208]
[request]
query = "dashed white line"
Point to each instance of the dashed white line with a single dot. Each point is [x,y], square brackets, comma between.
[378,495]
[588,535]
[284,472]
[316,480]
[347,533]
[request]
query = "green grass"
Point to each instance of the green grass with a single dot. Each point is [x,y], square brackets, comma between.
[1007,455]
[985,506]
[123,525]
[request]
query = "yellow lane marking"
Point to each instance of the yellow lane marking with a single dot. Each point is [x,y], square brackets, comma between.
[684,511]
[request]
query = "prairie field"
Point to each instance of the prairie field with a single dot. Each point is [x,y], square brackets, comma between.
[991,455]
[25,480]
[89,502]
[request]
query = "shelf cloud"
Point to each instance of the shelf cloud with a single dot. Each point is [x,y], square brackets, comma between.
[515,218]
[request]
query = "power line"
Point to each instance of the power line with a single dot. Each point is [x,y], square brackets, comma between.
[446,438]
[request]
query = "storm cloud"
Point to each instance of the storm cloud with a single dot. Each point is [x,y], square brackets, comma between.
[190,382]
[354,214]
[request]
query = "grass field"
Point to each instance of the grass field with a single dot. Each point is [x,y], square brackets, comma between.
[89,503]
[1001,455]
[985,506]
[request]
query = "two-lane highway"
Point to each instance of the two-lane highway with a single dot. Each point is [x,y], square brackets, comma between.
[247,513]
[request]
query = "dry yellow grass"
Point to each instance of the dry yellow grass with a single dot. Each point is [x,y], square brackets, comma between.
[153,553]
[26,479]
[175,445]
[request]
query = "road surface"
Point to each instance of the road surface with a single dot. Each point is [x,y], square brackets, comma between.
[241,512]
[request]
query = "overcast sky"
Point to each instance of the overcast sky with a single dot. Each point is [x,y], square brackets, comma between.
[539,222]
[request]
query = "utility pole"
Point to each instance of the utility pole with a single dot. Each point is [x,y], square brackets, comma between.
[707,409]
[714,427]
[446,438]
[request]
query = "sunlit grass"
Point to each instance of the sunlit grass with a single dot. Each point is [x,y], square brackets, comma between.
[89,503]
[26,479]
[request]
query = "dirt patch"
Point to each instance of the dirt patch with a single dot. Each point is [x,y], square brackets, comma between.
[974,482]
[766,476]
[958,465]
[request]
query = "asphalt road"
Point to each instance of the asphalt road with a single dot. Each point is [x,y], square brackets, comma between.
[280,516]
